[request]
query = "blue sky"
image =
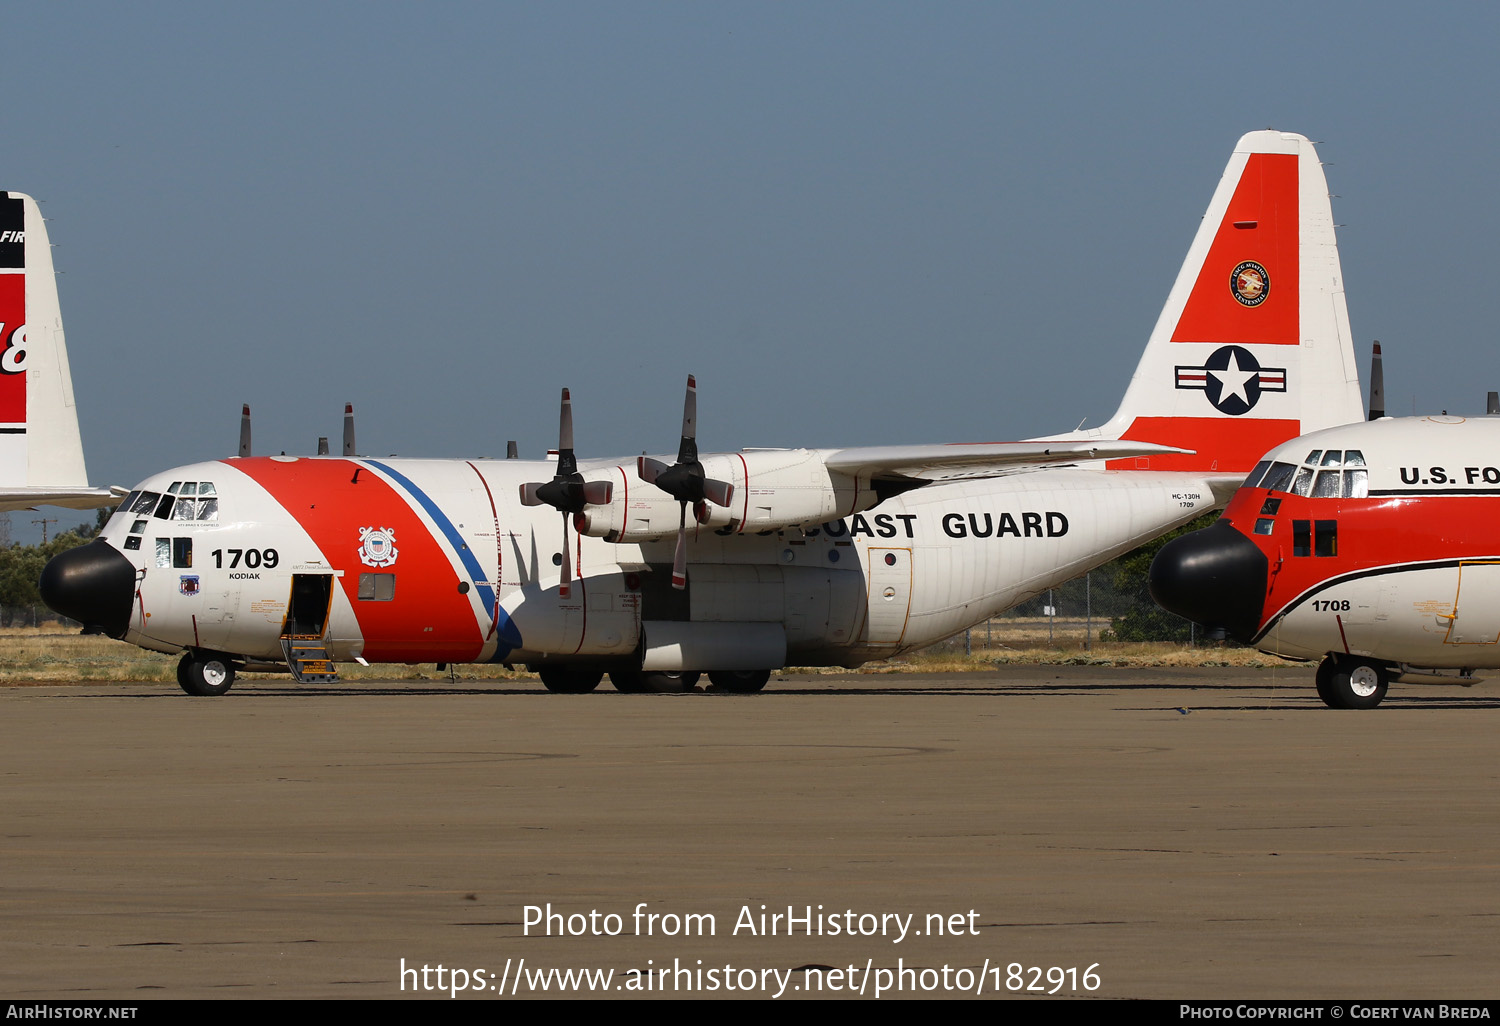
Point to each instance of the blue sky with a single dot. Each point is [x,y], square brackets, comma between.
[857,223]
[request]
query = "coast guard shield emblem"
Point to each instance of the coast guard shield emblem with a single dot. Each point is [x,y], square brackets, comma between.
[377,546]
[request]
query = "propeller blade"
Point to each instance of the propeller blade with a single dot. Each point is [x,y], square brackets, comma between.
[529,496]
[349,429]
[720,493]
[1377,385]
[567,464]
[245,430]
[649,469]
[565,587]
[679,558]
[687,452]
[598,493]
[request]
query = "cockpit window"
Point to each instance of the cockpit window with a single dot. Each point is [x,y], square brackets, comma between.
[1327,486]
[1303,484]
[143,502]
[185,500]
[1278,476]
[1311,480]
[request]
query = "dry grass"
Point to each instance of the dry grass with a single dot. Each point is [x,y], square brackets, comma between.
[53,653]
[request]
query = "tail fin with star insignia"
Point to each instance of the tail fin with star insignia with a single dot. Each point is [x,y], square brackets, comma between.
[1253,346]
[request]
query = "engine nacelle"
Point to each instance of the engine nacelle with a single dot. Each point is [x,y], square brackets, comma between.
[773,489]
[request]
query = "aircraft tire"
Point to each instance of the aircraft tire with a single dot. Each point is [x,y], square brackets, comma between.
[204,674]
[1325,682]
[1356,684]
[570,680]
[659,682]
[740,682]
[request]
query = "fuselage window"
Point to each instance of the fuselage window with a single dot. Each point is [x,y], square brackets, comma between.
[377,587]
[1326,536]
[164,552]
[182,552]
[1302,537]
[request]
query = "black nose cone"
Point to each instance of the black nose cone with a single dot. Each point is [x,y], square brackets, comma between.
[93,584]
[1216,577]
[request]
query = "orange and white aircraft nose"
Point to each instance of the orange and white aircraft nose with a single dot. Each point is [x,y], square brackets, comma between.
[1215,577]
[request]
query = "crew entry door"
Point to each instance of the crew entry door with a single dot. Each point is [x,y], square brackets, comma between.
[307,611]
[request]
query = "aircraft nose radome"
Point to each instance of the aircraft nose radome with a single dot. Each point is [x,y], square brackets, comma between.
[94,584]
[1216,577]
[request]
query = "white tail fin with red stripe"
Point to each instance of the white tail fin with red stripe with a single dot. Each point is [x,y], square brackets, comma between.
[41,452]
[1253,346]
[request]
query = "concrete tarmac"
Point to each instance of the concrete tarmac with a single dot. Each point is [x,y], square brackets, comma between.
[1177,833]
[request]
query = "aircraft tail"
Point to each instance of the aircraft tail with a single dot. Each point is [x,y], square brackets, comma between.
[41,452]
[1253,346]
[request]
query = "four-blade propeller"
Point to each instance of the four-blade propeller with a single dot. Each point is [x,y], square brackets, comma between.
[567,491]
[685,481]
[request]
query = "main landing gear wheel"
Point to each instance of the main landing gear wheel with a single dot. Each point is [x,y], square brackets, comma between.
[205,673]
[740,682]
[661,682]
[570,680]
[1351,683]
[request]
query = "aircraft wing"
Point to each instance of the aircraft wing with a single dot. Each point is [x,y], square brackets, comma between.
[72,498]
[919,464]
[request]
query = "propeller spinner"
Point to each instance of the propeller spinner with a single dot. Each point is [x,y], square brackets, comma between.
[685,481]
[567,492]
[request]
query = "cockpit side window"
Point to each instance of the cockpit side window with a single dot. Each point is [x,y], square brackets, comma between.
[1277,477]
[1256,474]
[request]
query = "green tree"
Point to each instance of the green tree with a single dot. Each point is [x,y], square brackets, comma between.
[1145,620]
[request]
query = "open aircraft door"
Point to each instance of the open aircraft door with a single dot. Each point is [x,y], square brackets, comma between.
[888,600]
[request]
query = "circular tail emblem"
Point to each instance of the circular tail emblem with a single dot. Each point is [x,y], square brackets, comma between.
[1250,283]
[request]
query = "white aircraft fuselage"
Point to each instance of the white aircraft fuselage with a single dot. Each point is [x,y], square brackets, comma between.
[471,575]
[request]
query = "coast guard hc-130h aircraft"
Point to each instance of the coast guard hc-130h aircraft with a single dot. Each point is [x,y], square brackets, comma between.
[1370,547]
[41,454]
[736,563]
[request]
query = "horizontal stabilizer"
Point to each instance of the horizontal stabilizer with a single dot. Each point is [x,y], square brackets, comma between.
[985,459]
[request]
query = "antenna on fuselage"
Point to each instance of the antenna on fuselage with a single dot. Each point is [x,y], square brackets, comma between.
[349,429]
[245,430]
[1377,385]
